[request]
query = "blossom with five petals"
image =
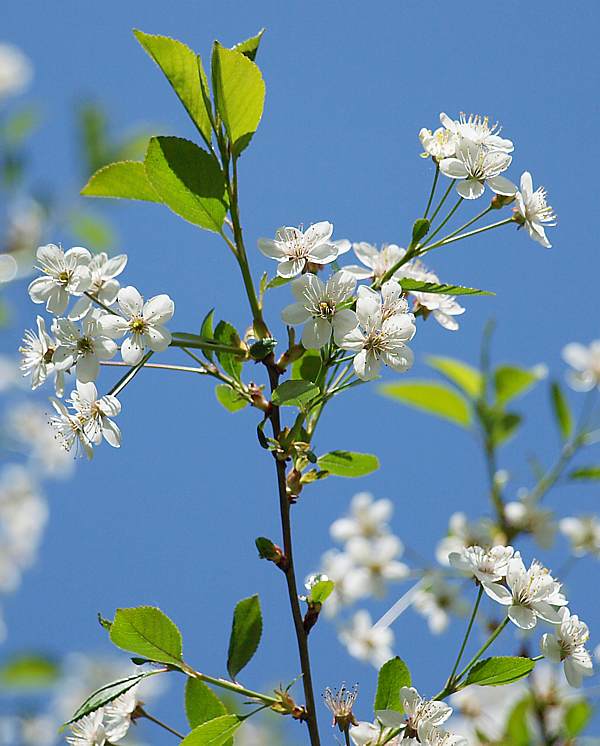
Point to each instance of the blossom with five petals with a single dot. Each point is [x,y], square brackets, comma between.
[474,166]
[83,347]
[37,353]
[487,565]
[103,286]
[478,130]
[567,646]
[65,274]
[585,362]
[533,211]
[95,413]
[293,248]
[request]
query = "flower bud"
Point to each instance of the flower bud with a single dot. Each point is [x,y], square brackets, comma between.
[501,200]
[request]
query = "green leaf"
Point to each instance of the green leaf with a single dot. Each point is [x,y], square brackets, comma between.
[504,426]
[431,397]
[586,472]
[226,334]
[511,381]
[576,717]
[207,331]
[201,703]
[393,675]
[28,671]
[250,46]
[517,726]
[108,693]
[277,282]
[308,367]
[239,92]
[464,376]
[294,393]
[434,287]
[246,632]
[229,398]
[348,463]
[147,631]
[420,230]
[215,732]
[499,670]
[183,69]
[320,591]
[122,180]
[189,181]
[562,411]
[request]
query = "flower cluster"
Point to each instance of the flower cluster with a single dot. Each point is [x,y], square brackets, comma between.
[530,594]
[470,150]
[84,338]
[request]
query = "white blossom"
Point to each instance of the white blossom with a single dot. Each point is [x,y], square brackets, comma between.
[384,329]
[15,70]
[533,211]
[37,359]
[368,518]
[96,413]
[71,430]
[378,556]
[439,144]
[487,565]
[320,308]
[103,286]
[585,362]
[437,601]
[376,262]
[118,714]
[526,514]
[89,730]
[8,267]
[144,322]
[433,736]
[531,594]
[474,166]
[293,248]
[422,713]
[82,347]
[584,534]
[463,533]
[478,130]
[366,642]
[484,710]
[567,645]
[65,274]
[442,307]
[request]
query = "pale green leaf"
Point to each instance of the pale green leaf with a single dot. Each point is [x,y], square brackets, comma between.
[393,675]
[294,393]
[464,376]
[229,398]
[409,284]
[577,717]
[431,397]
[246,632]
[511,381]
[147,631]
[348,463]
[122,180]
[239,92]
[215,732]
[249,47]
[183,69]
[320,591]
[504,426]
[499,670]
[517,725]
[586,472]
[189,181]
[201,703]
[562,411]
[28,671]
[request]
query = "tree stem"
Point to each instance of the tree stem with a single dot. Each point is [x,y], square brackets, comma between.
[142,713]
[290,576]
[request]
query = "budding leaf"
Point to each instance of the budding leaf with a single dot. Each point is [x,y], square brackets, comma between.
[215,732]
[586,472]
[562,411]
[122,180]
[348,463]
[499,670]
[28,671]
[226,334]
[229,398]
[262,347]
[435,287]
[108,693]
[239,92]
[189,181]
[504,426]
[321,591]
[183,69]
[393,675]
[464,376]
[207,331]
[250,46]
[431,397]
[201,703]
[420,230]
[147,631]
[294,393]
[266,548]
[245,636]
[511,381]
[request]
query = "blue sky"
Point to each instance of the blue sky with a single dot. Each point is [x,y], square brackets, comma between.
[171,519]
